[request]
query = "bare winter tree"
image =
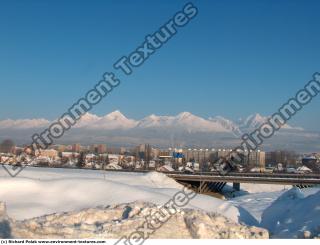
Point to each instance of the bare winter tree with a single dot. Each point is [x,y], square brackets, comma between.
[81,160]
[7,146]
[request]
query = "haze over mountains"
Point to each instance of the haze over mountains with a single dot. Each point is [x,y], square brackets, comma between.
[182,121]
[184,129]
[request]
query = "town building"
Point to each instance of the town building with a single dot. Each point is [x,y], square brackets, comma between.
[76,148]
[50,153]
[101,148]
[287,158]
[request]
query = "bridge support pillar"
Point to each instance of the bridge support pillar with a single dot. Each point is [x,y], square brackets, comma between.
[202,186]
[236,186]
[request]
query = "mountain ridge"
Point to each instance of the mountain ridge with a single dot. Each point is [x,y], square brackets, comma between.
[181,130]
[182,121]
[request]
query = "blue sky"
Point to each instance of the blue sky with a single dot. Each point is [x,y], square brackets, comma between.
[234,59]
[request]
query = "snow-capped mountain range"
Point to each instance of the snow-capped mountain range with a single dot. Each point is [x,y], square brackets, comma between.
[183,121]
[182,130]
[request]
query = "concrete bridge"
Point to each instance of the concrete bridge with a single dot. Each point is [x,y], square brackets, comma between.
[216,182]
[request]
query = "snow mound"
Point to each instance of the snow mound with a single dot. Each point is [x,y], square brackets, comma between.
[161,180]
[40,191]
[122,220]
[294,214]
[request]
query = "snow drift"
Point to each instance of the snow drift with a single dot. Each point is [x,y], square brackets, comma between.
[294,213]
[39,191]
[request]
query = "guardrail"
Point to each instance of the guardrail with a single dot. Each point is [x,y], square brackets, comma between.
[286,180]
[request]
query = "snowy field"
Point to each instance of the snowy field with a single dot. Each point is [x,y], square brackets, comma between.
[284,211]
[39,191]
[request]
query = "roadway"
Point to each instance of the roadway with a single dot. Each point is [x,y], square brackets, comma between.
[259,178]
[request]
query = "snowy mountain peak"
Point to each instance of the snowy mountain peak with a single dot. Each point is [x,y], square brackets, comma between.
[184,115]
[89,117]
[256,120]
[252,121]
[115,115]
[153,117]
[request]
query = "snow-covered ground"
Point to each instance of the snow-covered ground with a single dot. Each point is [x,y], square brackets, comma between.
[254,198]
[293,213]
[283,210]
[39,191]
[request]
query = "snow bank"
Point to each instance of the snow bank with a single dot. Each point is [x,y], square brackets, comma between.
[253,199]
[255,204]
[285,213]
[121,220]
[161,180]
[294,213]
[39,191]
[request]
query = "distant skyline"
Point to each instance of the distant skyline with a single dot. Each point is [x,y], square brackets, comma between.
[234,59]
